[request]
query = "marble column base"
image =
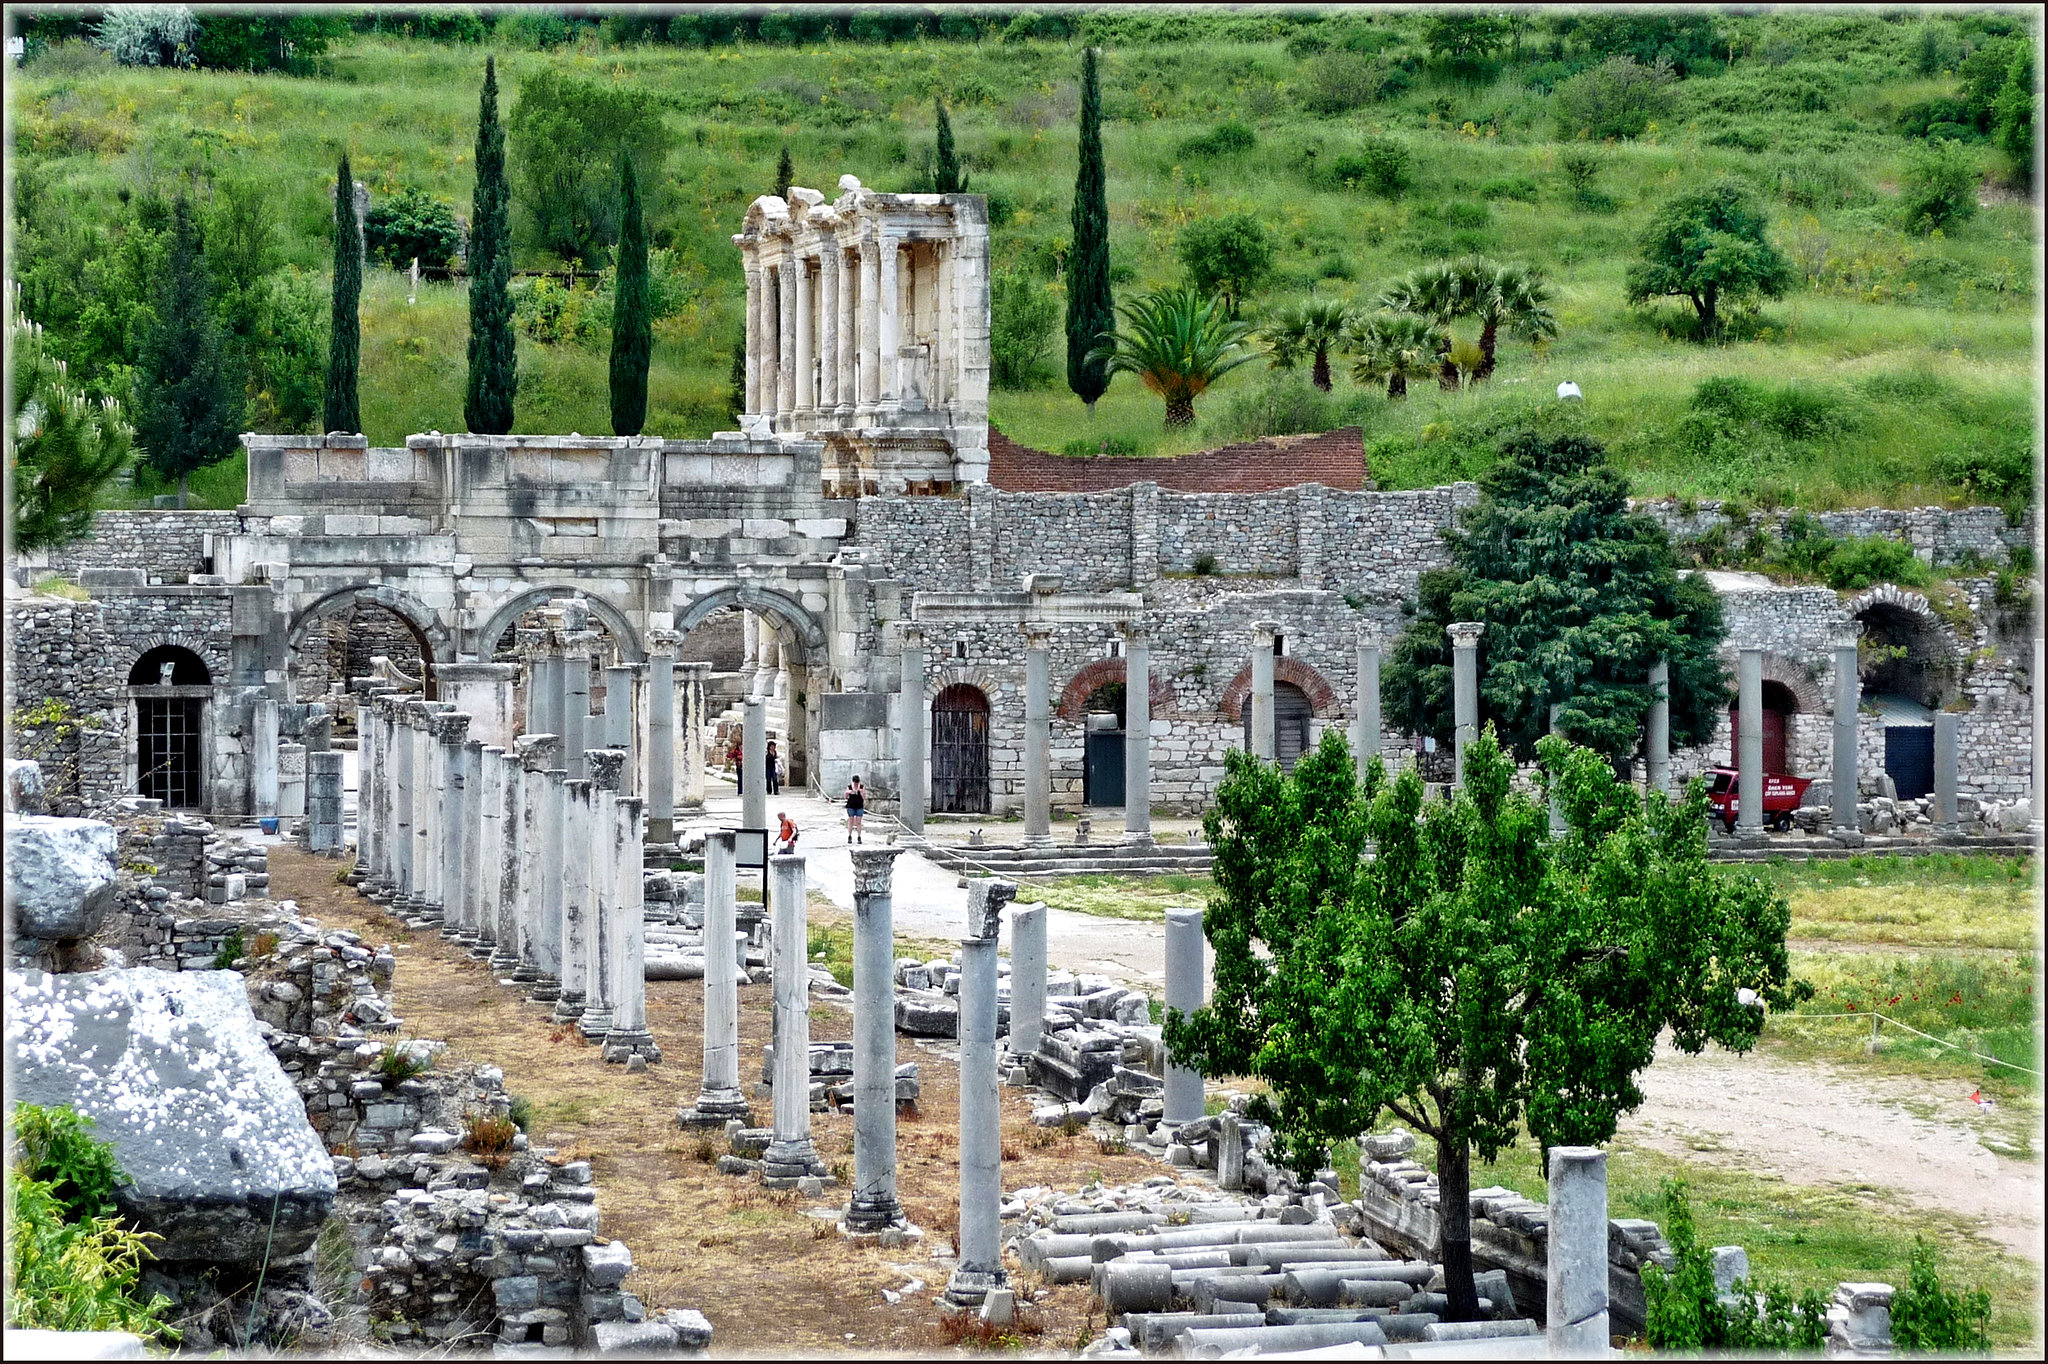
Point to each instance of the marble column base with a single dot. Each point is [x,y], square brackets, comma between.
[660,831]
[790,1161]
[514,969]
[546,990]
[452,931]
[715,1108]
[595,1024]
[1144,840]
[619,1044]
[968,1287]
[868,1215]
[568,1006]
[1037,842]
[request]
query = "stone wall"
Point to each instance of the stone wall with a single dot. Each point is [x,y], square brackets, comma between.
[167,545]
[1940,535]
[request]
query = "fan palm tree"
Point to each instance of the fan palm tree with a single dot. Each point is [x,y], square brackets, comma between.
[1514,297]
[1307,331]
[1396,347]
[1437,293]
[1178,342]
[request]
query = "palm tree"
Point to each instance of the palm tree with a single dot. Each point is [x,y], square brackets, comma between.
[1307,330]
[1436,293]
[1511,296]
[1396,347]
[1178,342]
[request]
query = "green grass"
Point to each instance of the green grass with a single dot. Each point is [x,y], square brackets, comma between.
[1954,311]
[1944,900]
[1143,898]
[1981,1003]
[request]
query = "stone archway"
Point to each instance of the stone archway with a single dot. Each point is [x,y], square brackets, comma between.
[783,673]
[799,624]
[1322,697]
[435,641]
[615,621]
[1086,681]
[1907,649]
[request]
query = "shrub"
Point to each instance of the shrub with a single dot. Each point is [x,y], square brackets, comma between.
[1339,82]
[1231,256]
[1379,164]
[1686,1314]
[1087,447]
[401,1062]
[1204,567]
[1519,187]
[414,224]
[1618,98]
[149,35]
[2002,472]
[1024,315]
[1929,1318]
[521,1112]
[1939,188]
[1467,215]
[1942,117]
[1225,139]
[55,1147]
[1285,404]
[488,1137]
[231,951]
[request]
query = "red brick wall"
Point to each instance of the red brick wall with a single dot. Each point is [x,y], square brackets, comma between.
[1335,459]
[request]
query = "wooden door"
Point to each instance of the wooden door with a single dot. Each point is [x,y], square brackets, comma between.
[960,751]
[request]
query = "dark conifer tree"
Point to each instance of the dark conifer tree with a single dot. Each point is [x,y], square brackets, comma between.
[345,336]
[632,311]
[948,177]
[493,361]
[188,395]
[785,173]
[1091,311]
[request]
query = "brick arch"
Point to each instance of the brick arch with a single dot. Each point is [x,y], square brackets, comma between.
[1912,604]
[1073,704]
[937,680]
[218,667]
[1322,697]
[1797,678]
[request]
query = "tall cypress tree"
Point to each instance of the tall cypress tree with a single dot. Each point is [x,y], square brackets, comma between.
[632,311]
[493,362]
[344,410]
[947,178]
[188,395]
[785,173]
[1091,311]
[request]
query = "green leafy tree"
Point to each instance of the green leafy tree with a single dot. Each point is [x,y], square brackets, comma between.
[947,176]
[277,41]
[566,132]
[2012,113]
[736,375]
[1708,247]
[1091,311]
[1579,596]
[412,225]
[1023,316]
[1476,974]
[1394,348]
[1928,1317]
[785,173]
[288,353]
[493,359]
[1939,188]
[1685,1311]
[1307,331]
[345,335]
[1466,39]
[1231,257]
[632,313]
[1178,342]
[1621,97]
[188,397]
[62,448]
[1438,292]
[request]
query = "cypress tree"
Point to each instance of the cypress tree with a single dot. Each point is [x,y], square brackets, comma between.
[785,173]
[345,338]
[188,397]
[493,362]
[632,311]
[947,178]
[1091,310]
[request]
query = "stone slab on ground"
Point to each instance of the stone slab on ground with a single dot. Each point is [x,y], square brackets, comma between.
[60,875]
[204,1122]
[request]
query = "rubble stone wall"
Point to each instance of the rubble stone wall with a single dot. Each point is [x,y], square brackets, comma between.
[167,545]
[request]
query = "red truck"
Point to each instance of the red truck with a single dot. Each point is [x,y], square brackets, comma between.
[1782,794]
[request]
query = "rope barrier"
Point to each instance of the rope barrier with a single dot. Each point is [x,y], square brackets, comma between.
[1876,1017]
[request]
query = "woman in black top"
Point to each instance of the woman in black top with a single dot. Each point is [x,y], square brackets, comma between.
[856,806]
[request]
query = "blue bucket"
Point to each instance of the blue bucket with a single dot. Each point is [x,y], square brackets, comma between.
[268,826]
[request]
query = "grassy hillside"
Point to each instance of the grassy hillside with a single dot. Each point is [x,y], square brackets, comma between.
[1918,351]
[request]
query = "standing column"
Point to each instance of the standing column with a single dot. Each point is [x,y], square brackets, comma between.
[980,1268]
[1749,744]
[451,731]
[1575,1288]
[692,703]
[369,756]
[621,681]
[1037,735]
[1657,739]
[429,871]
[476,928]
[1184,963]
[806,371]
[548,869]
[487,881]
[506,876]
[545,681]
[1137,738]
[1557,824]
[577,823]
[600,919]
[754,763]
[660,791]
[323,803]
[1464,691]
[719,1097]
[1843,787]
[849,331]
[291,783]
[753,343]
[263,796]
[1947,752]
[399,891]
[873,1205]
[791,1155]
[889,294]
[575,703]
[629,1035]
[911,779]
[829,326]
[1027,981]
[537,755]
[870,325]
[1264,634]
[785,339]
[1365,743]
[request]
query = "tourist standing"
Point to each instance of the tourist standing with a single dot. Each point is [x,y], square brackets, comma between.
[856,806]
[774,768]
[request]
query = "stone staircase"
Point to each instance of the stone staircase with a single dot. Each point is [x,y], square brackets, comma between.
[1070,859]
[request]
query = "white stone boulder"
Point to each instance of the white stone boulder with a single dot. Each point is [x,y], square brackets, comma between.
[60,875]
[209,1130]
[25,789]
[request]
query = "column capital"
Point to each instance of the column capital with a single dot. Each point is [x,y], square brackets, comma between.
[1037,634]
[663,644]
[538,752]
[450,727]
[1370,636]
[910,635]
[1264,632]
[874,870]
[1849,636]
[1465,633]
[1133,631]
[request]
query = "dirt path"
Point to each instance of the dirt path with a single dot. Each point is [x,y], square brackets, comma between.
[1811,1123]
[774,1281]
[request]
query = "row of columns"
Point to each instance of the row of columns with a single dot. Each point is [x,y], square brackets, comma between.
[819,338]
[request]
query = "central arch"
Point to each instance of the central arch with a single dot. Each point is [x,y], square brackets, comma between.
[435,640]
[762,601]
[614,619]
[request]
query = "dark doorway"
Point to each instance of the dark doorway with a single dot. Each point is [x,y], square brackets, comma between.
[1779,705]
[167,758]
[1909,759]
[1102,780]
[1291,715]
[960,751]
